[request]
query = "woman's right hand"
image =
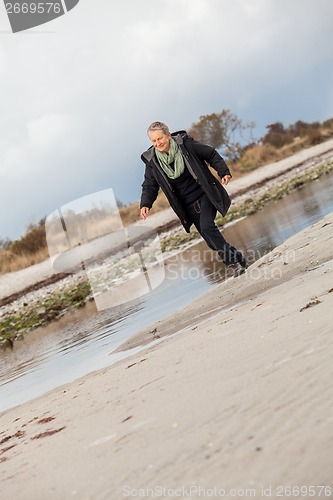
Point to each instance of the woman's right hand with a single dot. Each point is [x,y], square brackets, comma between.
[144,213]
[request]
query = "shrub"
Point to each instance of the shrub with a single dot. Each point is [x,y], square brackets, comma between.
[33,240]
[256,156]
[277,136]
[313,135]
[328,123]
[5,243]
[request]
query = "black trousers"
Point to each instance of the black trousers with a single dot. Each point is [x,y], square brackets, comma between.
[202,214]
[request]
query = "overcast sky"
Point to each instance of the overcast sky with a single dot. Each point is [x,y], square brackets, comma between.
[78,93]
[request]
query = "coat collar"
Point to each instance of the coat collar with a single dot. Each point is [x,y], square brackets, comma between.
[179,136]
[149,154]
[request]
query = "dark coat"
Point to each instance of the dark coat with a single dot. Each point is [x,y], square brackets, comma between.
[197,156]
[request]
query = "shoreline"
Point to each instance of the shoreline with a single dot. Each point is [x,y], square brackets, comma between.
[296,256]
[48,303]
[241,399]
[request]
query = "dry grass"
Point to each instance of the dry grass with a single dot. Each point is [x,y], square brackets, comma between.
[257,155]
[160,204]
[131,213]
[10,262]
[262,154]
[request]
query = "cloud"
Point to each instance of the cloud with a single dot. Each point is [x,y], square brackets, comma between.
[76,101]
[50,131]
[43,137]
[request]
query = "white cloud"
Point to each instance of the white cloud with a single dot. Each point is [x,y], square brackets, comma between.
[76,100]
[49,131]
[43,138]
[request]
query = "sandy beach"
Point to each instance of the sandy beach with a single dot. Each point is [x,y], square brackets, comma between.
[234,399]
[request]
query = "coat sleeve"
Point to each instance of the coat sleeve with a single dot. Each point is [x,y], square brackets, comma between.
[150,189]
[211,156]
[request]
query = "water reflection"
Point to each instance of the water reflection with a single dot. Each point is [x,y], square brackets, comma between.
[260,233]
[83,340]
[197,263]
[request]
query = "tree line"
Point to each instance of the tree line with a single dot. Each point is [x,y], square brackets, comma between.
[230,135]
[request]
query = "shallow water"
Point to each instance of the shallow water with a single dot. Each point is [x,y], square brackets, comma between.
[84,341]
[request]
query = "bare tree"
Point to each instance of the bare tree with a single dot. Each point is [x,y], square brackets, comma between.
[223,130]
[5,243]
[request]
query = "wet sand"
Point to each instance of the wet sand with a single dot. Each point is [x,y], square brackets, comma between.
[234,397]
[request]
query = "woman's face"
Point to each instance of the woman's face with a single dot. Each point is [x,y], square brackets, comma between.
[160,140]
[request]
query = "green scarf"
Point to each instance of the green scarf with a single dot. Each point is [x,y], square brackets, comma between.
[173,155]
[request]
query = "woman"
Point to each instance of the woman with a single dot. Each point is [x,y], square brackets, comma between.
[178,165]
